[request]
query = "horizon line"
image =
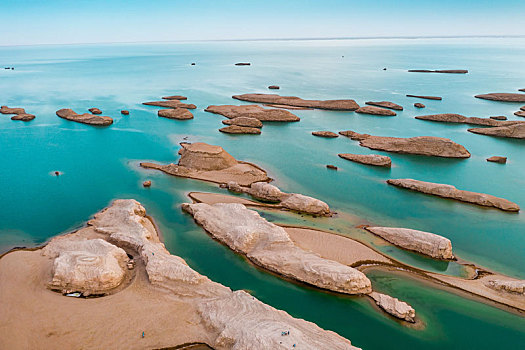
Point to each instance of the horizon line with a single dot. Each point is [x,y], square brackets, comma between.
[273,39]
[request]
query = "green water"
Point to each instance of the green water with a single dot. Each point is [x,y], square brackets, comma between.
[100,164]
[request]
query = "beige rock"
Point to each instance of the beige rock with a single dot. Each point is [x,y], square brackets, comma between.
[504,97]
[339,105]
[328,134]
[497,159]
[175,113]
[95,110]
[423,145]
[85,118]
[201,156]
[508,286]
[419,105]
[516,131]
[305,204]
[426,243]
[385,104]
[520,113]
[499,117]
[91,266]
[394,306]
[458,118]
[448,191]
[437,98]
[254,111]
[369,159]
[262,190]
[375,111]
[270,247]
[175,97]
[8,110]
[25,117]
[522,108]
[236,129]
[170,104]
[244,121]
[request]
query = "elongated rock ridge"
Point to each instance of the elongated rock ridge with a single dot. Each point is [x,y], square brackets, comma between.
[244,121]
[368,159]
[254,111]
[19,113]
[426,243]
[211,163]
[292,201]
[175,113]
[336,105]
[170,104]
[234,320]
[503,97]
[451,71]
[327,134]
[515,131]
[394,306]
[449,191]
[507,286]
[373,110]
[236,129]
[385,104]
[269,246]
[460,119]
[422,145]
[86,118]
[437,98]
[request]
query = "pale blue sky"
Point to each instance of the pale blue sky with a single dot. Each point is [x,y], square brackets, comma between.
[83,21]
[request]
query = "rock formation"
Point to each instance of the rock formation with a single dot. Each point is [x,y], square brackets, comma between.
[328,134]
[85,118]
[273,87]
[243,64]
[419,105]
[244,121]
[369,159]
[270,247]
[458,118]
[170,104]
[515,131]
[147,183]
[497,159]
[437,98]
[394,306]
[498,117]
[449,191]
[175,113]
[385,104]
[292,201]
[254,111]
[375,111]
[336,105]
[91,266]
[426,243]
[95,110]
[522,108]
[423,145]
[503,97]
[453,71]
[507,286]
[236,129]
[175,97]
[520,113]
[211,163]
[124,112]
[330,166]
[19,113]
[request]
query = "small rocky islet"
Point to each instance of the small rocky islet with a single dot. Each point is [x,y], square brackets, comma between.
[19,113]
[85,118]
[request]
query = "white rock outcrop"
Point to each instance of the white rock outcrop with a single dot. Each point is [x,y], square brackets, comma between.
[91,266]
[394,306]
[270,247]
[509,286]
[426,243]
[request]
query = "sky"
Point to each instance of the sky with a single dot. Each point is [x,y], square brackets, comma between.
[26,22]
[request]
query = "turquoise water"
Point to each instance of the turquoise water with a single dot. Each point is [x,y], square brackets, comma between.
[100,164]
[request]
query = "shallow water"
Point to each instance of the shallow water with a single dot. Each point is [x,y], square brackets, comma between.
[100,164]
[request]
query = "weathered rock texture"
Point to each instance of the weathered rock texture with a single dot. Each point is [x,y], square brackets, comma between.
[497,159]
[328,134]
[368,159]
[19,113]
[170,104]
[375,111]
[175,113]
[498,117]
[175,97]
[449,191]
[423,145]
[236,129]
[385,104]
[95,110]
[254,111]
[394,306]
[337,105]
[453,71]
[458,118]
[504,97]
[419,105]
[270,247]
[234,320]
[515,131]
[292,201]
[520,113]
[507,286]
[426,243]
[211,163]
[23,117]
[85,118]
[91,266]
[437,98]
[244,121]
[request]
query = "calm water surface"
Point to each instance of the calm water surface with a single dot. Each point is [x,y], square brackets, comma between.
[100,164]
